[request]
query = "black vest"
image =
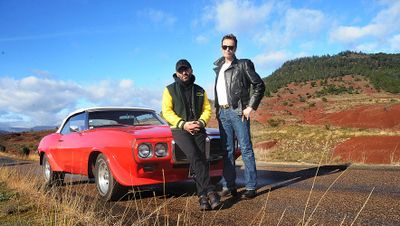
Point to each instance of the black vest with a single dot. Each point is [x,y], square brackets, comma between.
[181,104]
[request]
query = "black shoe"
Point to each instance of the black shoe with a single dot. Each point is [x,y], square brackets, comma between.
[214,199]
[249,194]
[204,204]
[226,192]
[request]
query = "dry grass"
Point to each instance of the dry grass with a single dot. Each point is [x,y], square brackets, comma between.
[31,157]
[46,207]
[348,101]
[306,143]
[24,201]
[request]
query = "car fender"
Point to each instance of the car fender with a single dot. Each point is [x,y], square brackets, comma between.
[121,166]
[53,163]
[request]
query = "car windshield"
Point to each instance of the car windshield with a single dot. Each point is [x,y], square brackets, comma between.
[123,118]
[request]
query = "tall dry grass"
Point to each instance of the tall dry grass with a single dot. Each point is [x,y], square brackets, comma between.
[52,208]
[307,143]
[65,206]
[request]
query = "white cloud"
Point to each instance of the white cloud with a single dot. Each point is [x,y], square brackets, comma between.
[367,47]
[348,34]
[296,24]
[34,101]
[374,35]
[233,16]
[274,59]
[271,59]
[303,21]
[395,43]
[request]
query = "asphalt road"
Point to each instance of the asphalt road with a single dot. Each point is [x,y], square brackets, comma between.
[326,195]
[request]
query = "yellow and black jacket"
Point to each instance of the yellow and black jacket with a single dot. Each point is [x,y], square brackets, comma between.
[179,107]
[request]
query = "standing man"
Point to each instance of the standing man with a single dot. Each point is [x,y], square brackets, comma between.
[186,108]
[235,104]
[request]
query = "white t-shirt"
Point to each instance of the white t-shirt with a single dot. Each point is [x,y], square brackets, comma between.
[221,87]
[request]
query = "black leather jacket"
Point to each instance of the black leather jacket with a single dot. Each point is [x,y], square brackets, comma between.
[239,77]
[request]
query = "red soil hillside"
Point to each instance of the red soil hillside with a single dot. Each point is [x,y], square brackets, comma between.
[365,108]
[367,116]
[372,149]
[362,107]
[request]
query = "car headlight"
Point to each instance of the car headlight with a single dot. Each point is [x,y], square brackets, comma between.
[161,149]
[144,150]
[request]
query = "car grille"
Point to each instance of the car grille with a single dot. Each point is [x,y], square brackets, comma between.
[213,150]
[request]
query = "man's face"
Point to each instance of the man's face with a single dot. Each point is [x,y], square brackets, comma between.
[228,48]
[184,73]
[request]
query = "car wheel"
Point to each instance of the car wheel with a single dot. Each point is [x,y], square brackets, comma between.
[51,177]
[107,186]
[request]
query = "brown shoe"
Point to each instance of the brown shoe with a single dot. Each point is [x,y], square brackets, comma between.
[215,199]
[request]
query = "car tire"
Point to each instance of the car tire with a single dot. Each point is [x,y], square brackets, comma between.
[108,188]
[51,178]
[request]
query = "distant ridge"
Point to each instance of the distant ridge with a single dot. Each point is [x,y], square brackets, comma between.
[4,130]
[383,70]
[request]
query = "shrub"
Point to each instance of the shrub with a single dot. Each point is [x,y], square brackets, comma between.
[25,151]
[273,122]
[324,99]
[313,84]
[2,148]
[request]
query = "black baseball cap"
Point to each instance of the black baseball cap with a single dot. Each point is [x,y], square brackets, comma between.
[182,63]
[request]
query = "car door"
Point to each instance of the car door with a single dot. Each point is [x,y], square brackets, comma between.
[72,146]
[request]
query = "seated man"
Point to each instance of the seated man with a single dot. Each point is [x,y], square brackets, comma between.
[186,108]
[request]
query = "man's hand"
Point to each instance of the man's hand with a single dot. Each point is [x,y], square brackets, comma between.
[192,127]
[246,113]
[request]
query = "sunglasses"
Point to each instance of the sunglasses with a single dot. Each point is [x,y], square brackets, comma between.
[224,47]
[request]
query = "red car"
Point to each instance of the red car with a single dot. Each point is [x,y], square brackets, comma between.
[120,148]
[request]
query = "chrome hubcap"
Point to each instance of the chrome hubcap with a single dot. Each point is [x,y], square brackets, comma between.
[47,170]
[103,177]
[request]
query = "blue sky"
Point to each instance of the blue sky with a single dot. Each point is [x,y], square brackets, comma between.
[57,56]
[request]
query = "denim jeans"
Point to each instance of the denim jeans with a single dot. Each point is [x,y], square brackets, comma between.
[231,124]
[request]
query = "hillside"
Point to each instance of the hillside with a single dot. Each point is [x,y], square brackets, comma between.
[342,108]
[19,143]
[382,70]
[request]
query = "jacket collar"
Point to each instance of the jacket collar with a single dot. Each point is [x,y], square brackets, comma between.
[184,84]
[221,61]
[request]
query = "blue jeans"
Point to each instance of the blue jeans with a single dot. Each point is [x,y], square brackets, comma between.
[231,124]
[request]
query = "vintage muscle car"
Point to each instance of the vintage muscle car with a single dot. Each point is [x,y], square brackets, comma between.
[120,148]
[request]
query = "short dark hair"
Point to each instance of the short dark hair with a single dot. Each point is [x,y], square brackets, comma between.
[229,36]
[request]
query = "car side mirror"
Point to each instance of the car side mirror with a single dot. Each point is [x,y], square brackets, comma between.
[74,128]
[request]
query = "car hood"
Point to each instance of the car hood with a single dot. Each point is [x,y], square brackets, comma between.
[146,131]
